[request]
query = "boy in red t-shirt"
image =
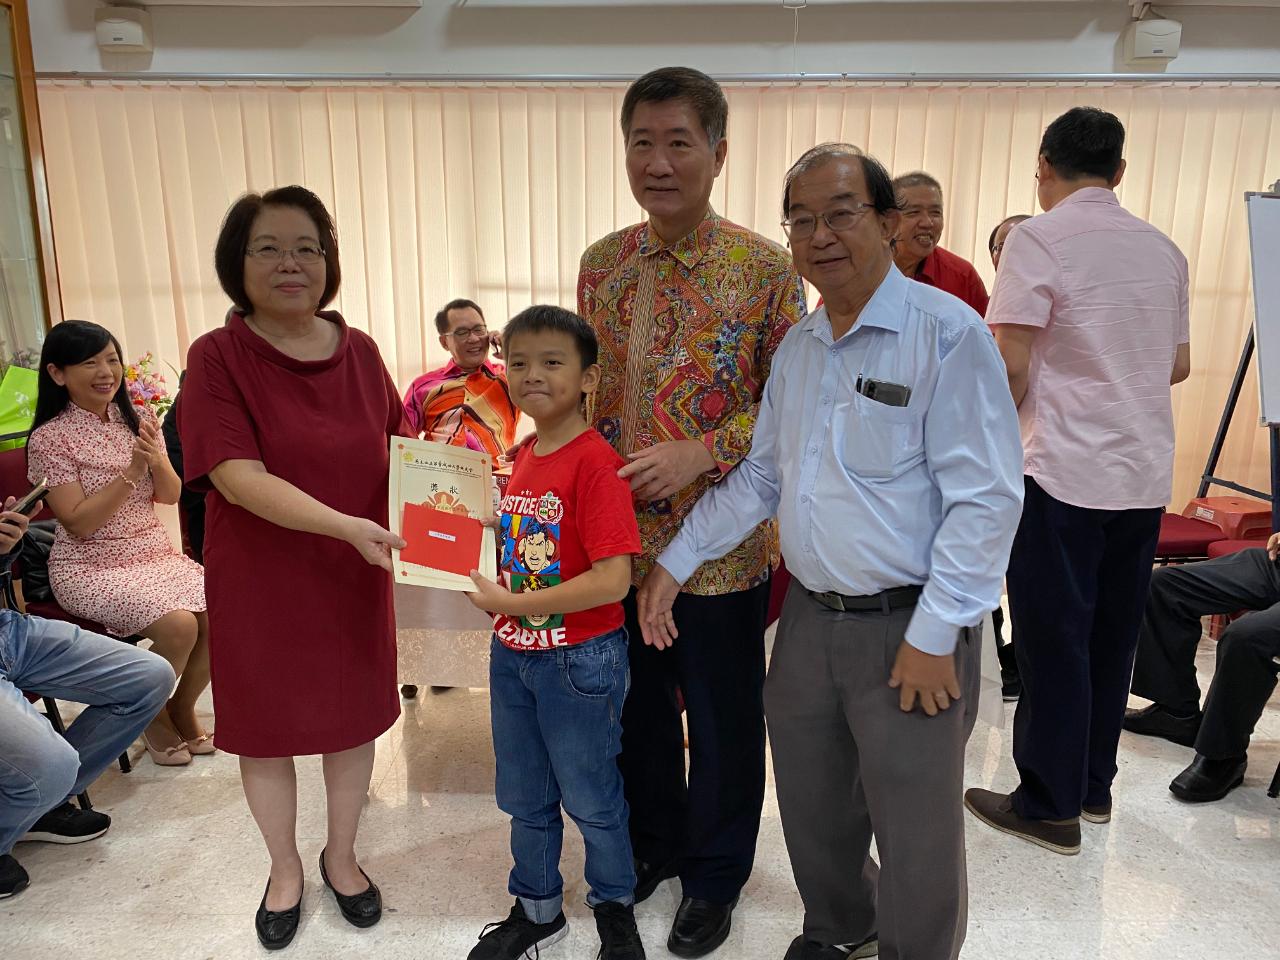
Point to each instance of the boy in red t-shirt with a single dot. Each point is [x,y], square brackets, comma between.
[558,672]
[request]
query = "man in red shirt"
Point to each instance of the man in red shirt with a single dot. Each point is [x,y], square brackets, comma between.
[916,251]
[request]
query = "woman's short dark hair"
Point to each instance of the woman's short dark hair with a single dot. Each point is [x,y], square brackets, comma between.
[680,83]
[1016,218]
[442,318]
[880,192]
[233,240]
[69,343]
[542,317]
[1084,142]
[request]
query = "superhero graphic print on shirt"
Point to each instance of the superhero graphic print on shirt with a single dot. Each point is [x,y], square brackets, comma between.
[531,555]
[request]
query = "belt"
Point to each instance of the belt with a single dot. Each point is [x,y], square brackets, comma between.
[895,598]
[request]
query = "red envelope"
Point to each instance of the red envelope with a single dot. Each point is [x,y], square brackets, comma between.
[442,541]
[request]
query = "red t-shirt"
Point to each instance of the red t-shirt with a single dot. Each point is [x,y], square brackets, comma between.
[561,513]
[956,275]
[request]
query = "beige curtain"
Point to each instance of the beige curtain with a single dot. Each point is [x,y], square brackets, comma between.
[493,191]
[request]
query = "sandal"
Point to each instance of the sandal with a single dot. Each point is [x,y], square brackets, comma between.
[202,745]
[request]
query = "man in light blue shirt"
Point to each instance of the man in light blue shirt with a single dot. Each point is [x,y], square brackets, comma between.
[887,444]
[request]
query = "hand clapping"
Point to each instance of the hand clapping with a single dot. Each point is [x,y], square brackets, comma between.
[148,449]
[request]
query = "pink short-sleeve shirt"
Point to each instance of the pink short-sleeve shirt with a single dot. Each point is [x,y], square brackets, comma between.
[1110,294]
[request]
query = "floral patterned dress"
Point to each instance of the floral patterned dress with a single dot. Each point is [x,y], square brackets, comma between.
[126,575]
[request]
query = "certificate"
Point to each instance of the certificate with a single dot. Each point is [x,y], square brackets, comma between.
[437,495]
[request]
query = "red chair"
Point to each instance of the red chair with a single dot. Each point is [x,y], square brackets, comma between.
[1223,548]
[13,482]
[1184,539]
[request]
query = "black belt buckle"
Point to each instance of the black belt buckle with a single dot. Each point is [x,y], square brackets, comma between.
[832,601]
[868,604]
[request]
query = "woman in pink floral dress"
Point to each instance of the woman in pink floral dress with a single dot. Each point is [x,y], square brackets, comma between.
[112,560]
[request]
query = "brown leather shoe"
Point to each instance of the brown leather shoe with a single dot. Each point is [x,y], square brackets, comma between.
[996,810]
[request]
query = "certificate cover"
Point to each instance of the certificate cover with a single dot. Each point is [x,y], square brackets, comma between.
[436,497]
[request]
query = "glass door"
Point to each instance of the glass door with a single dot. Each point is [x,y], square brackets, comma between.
[28,277]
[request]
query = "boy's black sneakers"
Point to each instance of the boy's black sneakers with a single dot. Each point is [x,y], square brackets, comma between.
[68,824]
[518,937]
[619,938]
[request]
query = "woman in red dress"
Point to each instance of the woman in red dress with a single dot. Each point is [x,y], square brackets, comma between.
[285,422]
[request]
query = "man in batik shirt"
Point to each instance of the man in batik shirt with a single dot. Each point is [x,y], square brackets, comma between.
[689,309]
[465,403]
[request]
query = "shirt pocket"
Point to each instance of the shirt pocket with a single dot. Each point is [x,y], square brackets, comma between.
[880,442]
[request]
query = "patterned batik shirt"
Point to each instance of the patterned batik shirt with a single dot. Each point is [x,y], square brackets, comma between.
[687,333]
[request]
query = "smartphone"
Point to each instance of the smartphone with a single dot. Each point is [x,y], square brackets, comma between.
[890,394]
[31,499]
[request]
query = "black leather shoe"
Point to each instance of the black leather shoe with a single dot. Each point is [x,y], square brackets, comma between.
[700,927]
[362,909]
[1208,780]
[1157,721]
[649,875]
[276,929]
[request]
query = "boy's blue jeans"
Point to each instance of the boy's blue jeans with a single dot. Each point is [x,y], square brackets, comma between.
[557,733]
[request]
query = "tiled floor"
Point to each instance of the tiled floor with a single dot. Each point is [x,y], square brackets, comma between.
[182,869]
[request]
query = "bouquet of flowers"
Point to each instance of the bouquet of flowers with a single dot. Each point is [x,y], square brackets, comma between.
[147,387]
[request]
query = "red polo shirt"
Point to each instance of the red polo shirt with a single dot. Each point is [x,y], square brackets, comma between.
[956,275]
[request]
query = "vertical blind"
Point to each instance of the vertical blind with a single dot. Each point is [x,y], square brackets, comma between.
[492,192]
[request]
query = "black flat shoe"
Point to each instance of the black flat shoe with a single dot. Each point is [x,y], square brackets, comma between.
[1157,721]
[276,928]
[1208,780]
[700,926]
[361,909]
[649,875]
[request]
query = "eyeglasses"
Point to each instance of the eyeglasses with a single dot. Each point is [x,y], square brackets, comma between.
[803,226]
[270,253]
[466,333]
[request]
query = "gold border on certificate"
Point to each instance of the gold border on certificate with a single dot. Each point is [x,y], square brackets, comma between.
[453,479]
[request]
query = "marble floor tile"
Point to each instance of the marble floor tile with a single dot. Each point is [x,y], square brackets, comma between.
[182,869]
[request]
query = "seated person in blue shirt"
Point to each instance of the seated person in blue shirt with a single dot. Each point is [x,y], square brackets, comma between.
[887,445]
[39,770]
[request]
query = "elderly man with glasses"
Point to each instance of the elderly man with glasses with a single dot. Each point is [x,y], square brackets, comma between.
[887,446]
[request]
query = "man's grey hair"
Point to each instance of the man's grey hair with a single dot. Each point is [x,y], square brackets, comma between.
[916,179]
[880,190]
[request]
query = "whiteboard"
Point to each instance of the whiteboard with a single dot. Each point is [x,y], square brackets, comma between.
[1264,251]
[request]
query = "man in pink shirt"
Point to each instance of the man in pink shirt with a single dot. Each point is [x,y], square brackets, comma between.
[1090,314]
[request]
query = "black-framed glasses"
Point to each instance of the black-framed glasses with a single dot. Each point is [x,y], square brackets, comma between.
[270,253]
[466,333]
[804,225]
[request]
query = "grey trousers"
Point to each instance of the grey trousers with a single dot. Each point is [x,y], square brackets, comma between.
[849,765]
